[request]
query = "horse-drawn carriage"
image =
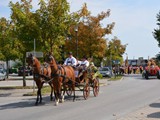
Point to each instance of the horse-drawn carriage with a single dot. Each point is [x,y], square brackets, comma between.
[62,79]
[86,81]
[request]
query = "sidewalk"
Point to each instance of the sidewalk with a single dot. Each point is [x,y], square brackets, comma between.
[150,112]
[11,83]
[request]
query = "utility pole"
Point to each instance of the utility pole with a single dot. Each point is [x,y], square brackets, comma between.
[76,30]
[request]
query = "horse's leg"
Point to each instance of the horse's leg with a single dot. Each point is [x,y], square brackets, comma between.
[64,90]
[60,95]
[40,93]
[74,94]
[51,95]
[37,97]
[56,98]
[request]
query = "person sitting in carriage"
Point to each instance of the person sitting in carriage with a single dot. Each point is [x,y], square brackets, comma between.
[70,61]
[82,66]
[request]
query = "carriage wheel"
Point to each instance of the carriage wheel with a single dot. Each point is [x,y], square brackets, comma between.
[96,87]
[86,91]
[69,91]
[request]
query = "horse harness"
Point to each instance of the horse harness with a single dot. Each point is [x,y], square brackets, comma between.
[41,74]
[58,73]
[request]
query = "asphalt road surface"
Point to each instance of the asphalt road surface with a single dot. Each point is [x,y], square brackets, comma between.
[115,100]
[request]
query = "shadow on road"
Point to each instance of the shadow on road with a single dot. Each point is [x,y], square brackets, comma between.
[30,102]
[156,105]
[23,104]
[154,115]
[140,78]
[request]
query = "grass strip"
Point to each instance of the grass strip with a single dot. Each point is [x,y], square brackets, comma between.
[119,77]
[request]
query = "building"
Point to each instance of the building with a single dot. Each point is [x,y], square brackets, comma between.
[137,62]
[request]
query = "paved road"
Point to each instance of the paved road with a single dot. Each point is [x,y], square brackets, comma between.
[115,101]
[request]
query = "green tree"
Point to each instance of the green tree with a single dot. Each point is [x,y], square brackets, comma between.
[157,59]
[54,22]
[8,43]
[91,34]
[47,25]
[115,50]
[26,29]
[156,32]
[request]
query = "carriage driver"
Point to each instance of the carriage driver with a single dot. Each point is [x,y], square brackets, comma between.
[70,61]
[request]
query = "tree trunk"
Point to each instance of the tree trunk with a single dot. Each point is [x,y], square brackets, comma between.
[24,76]
[7,68]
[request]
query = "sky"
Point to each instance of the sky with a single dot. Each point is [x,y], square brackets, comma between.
[135,20]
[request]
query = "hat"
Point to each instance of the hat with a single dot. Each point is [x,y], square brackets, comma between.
[70,53]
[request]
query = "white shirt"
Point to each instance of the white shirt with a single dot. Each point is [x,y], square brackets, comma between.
[71,61]
[84,63]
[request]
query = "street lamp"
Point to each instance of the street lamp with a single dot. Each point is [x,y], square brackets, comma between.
[76,30]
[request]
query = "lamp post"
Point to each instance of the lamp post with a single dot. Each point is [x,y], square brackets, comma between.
[126,59]
[76,30]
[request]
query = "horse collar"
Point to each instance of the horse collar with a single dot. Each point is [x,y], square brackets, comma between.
[55,72]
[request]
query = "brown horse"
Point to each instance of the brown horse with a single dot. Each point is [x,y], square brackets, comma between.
[62,76]
[41,74]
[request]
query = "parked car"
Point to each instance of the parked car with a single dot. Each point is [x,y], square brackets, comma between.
[2,74]
[28,71]
[105,71]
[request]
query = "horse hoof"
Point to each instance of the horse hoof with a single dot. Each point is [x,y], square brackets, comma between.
[56,104]
[36,103]
[62,100]
[40,102]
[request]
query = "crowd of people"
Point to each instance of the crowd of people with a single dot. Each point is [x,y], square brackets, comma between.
[135,69]
[128,70]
